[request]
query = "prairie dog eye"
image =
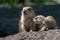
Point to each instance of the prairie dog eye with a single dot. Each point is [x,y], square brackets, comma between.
[29,9]
[35,18]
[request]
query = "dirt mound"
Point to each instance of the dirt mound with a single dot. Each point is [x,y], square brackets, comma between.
[44,35]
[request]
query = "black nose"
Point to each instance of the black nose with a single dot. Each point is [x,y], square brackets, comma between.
[25,13]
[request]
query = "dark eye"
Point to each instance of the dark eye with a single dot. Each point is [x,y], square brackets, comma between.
[29,9]
[35,18]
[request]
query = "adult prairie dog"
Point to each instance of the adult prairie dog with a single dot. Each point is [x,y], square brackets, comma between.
[26,21]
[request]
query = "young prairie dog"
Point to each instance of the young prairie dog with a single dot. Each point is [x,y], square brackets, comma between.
[38,20]
[45,23]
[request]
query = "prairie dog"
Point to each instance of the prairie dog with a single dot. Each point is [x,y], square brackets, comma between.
[26,21]
[45,23]
[38,20]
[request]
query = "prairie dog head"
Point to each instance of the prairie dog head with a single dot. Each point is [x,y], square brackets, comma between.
[27,10]
[38,19]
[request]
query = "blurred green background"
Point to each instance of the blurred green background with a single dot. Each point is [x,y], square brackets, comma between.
[14,2]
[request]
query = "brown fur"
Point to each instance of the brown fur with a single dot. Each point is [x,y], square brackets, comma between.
[45,23]
[51,22]
[28,22]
